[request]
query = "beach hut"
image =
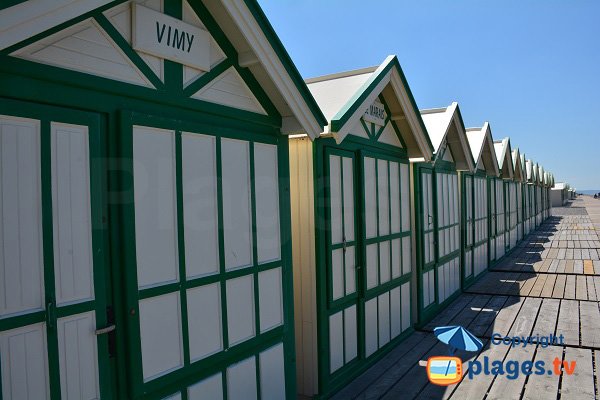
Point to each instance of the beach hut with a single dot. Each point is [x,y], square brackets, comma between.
[437,207]
[518,181]
[351,218]
[475,204]
[499,204]
[559,194]
[145,200]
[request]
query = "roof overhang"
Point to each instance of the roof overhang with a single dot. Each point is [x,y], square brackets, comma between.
[389,81]
[449,132]
[482,148]
[503,153]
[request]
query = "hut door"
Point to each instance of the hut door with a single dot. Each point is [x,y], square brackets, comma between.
[53,309]
[469,215]
[341,256]
[427,239]
[500,222]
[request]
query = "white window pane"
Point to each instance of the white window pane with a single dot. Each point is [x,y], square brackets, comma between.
[71,213]
[350,335]
[272,373]
[241,380]
[266,181]
[405,197]
[199,179]
[23,356]
[396,258]
[384,262]
[270,299]
[348,176]
[371,327]
[210,388]
[237,220]
[204,321]
[78,357]
[21,264]
[384,197]
[395,312]
[384,318]
[395,197]
[240,309]
[160,335]
[406,255]
[337,273]
[372,266]
[336,341]
[350,270]
[155,206]
[370,197]
[335,198]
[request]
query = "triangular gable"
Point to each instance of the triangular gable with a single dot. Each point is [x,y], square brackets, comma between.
[241,29]
[482,148]
[503,154]
[530,172]
[344,98]
[446,131]
[523,167]
[518,170]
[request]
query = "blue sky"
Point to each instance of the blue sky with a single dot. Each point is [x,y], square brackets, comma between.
[530,68]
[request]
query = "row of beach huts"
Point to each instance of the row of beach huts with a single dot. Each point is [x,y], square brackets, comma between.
[185,217]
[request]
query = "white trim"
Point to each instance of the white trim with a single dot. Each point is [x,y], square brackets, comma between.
[27,19]
[259,44]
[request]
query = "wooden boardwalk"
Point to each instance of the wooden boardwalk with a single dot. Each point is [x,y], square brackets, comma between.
[548,285]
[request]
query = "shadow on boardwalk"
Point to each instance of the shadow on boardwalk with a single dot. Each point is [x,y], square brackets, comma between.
[548,285]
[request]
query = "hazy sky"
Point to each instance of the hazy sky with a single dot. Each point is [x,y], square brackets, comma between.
[530,68]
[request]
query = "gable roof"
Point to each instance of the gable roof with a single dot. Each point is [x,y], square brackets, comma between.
[343,98]
[447,130]
[503,154]
[243,23]
[517,167]
[482,148]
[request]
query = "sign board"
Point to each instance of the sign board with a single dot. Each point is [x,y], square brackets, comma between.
[375,113]
[166,37]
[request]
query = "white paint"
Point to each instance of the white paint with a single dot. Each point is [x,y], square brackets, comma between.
[394,197]
[167,37]
[384,197]
[370,197]
[155,206]
[383,310]
[199,181]
[372,266]
[21,262]
[160,335]
[384,262]
[350,266]
[85,47]
[23,356]
[406,255]
[272,373]
[371,328]
[241,380]
[396,258]
[266,189]
[395,312]
[375,113]
[348,177]
[270,298]
[29,18]
[237,220]
[204,321]
[229,89]
[389,136]
[71,213]
[240,309]
[335,199]
[336,341]
[337,273]
[78,357]
[350,334]
[210,388]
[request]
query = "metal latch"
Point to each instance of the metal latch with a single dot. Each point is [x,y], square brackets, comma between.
[107,329]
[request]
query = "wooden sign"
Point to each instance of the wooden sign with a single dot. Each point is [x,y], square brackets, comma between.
[375,113]
[167,37]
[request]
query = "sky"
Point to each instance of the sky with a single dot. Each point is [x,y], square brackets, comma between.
[530,68]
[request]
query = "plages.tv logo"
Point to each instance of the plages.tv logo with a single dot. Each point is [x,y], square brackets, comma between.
[447,370]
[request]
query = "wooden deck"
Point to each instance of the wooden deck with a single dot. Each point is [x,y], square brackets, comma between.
[550,284]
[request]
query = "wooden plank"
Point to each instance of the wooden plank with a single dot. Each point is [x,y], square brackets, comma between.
[468,314]
[525,320]
[506,316]
[570,287]
[578,266]
[541,387]
[528,284]
[536,291]
[559,287]
[569,266]
[428,346]
[450,312]
[590,323]
[548,286]
[591,289]
[561,266]
[580,384]
[581,288]
[568,322]
[361,383]
[503,388]
[588,267]
[545,323]
[486,317]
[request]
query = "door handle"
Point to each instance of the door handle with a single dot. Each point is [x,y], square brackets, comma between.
[105,330]
[344,244]
[429,218]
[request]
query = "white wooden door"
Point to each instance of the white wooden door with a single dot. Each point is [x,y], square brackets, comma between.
[52,273]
